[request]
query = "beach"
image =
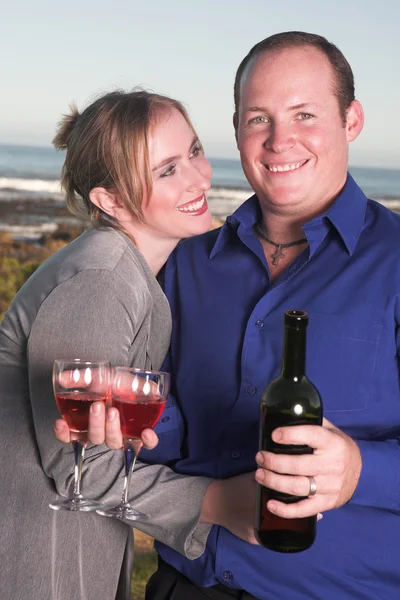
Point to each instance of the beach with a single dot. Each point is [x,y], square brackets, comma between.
[28,219]
[32,203]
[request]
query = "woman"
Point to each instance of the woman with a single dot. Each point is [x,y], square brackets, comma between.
[136,170]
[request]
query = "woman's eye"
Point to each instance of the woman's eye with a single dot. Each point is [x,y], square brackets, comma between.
[196,150]
[169,171]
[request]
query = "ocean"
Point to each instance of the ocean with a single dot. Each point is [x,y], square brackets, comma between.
[28,172]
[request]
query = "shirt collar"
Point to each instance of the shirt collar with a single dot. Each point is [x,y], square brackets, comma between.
[346,215]
[245,217]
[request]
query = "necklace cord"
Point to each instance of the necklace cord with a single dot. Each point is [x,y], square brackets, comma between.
[262,233]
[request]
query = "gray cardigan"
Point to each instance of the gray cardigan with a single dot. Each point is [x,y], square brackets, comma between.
[94,299]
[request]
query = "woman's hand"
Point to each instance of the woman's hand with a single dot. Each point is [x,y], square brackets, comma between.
[231,503]
[104,427]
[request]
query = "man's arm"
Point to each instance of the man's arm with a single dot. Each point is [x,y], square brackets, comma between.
[366,473]
[361,472]
[335,465]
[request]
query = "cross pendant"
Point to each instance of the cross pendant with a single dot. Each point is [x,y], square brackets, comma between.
[277,255]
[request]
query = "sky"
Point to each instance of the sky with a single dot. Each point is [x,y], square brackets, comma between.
[57,52]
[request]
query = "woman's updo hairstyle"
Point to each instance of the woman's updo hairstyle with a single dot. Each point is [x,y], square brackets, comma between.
[107,146]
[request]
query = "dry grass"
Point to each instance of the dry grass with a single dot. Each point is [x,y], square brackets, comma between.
[145,564]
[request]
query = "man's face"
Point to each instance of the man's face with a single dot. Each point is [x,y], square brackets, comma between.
[290,134]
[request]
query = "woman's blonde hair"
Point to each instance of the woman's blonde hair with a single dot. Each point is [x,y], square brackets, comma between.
[107,146]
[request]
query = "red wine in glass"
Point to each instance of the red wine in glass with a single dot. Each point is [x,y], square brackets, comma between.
[75,406]
[140,398]
[138,412]
[77,384]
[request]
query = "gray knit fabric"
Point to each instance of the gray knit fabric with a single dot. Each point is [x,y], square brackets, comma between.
[94,299]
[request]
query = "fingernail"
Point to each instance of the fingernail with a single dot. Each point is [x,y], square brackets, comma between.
[58,427]
[259,458]
[259,475]
[95,408]
[111,414]
[276,435]
[147,437]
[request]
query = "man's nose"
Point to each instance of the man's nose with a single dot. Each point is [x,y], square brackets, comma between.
[280,138]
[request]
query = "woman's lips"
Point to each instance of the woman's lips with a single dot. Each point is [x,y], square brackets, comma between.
[194,207]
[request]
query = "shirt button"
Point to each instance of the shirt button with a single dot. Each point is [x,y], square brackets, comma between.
[165,419]
[251,390]
[227,575]
[260,323]
[235,454]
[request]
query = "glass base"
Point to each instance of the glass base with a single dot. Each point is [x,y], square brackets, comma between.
[123,512]
[75,505]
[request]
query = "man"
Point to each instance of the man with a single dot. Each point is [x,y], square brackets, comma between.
[310,240]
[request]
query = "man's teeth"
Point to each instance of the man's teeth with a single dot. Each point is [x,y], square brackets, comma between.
[282,168]
[192,207]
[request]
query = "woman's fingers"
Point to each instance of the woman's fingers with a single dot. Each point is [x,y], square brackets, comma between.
[113,434]
[96,429]
[61,431]
[104,427]
[149,439]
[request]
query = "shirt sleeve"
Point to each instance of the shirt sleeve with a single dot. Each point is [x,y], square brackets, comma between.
[379,482]
[79,320]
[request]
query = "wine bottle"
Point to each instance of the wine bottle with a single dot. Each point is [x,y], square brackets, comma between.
[291,399]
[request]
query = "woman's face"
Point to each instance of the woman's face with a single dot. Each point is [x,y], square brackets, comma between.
[177,207]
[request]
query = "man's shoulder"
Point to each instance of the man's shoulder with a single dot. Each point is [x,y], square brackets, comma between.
[204,242]
[383,217]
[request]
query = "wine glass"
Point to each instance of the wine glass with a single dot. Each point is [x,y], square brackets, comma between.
[140,398]
[77,384]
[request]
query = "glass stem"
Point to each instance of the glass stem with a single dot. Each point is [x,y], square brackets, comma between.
[131,451]
[79,454]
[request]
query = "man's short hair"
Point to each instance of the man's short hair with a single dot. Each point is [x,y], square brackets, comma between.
[344,78]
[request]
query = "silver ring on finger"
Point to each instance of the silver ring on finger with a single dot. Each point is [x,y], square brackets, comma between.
[313,486]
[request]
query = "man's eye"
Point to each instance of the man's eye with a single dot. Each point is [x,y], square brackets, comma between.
[259,120]
[169,172]
[305,116]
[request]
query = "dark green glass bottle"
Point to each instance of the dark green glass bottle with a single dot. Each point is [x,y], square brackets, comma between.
[291,399]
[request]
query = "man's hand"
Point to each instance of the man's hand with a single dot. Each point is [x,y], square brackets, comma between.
[335,465]
[104,427]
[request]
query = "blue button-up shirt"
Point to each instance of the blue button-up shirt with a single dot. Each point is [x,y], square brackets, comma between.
[227,346]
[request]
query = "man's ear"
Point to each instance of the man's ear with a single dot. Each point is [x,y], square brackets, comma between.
[354,120]
[107,201]
[235,125]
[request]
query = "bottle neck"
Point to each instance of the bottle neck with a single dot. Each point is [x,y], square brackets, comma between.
[294,353]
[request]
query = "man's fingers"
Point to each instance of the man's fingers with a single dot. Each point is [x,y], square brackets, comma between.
[61,431]
[149,439]
[310,435]
[298,510]
[304,464]
[295,486]
[328,425]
